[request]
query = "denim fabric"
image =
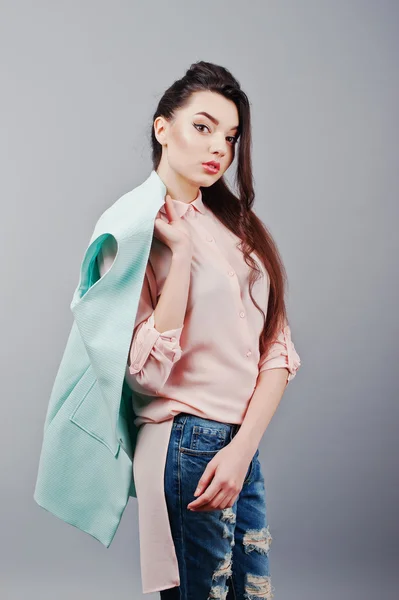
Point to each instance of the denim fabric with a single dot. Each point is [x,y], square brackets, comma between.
[222,554]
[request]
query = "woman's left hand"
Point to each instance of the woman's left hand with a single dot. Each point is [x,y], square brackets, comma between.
[223,478]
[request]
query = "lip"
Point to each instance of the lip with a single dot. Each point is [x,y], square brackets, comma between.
[212,166]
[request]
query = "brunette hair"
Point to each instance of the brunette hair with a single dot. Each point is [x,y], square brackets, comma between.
[235,212]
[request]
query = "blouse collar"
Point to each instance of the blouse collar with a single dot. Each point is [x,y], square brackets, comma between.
[181,207]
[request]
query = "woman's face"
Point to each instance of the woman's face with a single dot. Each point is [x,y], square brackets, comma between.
[192,139]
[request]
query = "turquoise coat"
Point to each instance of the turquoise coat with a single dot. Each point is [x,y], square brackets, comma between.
[85,474]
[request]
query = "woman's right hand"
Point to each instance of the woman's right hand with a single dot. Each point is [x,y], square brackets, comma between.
[175,234]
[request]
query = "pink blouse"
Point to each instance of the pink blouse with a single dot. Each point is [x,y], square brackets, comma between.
[208,367]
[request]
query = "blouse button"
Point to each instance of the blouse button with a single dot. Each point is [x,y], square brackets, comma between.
[231,273]
[242,314]
[249,353]
[173,339]
[209,238]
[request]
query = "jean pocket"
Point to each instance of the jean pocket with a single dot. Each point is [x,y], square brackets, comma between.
[206,441]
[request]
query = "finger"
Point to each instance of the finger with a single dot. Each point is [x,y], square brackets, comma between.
[205,478]
[160,229]
[230,500]
[208,495]
[170,208]
[227,501]
[217,502]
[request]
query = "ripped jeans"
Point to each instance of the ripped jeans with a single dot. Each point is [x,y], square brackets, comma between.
[222,554]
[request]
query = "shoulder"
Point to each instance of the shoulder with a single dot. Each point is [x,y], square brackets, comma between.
[135,211]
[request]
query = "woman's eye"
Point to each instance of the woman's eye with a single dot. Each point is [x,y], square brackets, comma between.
[232,138]
[196,125]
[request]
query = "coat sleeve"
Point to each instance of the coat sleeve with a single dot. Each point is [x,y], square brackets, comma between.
[282,354]
[152,353]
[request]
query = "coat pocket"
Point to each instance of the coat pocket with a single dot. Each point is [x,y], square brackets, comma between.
[91,413]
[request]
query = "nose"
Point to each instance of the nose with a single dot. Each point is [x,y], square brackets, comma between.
[219,145]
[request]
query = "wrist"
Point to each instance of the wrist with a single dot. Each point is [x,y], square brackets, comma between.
[244,445]
[182,253]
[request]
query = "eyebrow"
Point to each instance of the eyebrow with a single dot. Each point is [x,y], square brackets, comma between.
[213,119]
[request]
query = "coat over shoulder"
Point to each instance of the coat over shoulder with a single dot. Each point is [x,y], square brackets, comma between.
[85,474]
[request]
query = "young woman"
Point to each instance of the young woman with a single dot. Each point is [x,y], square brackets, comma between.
[204,359]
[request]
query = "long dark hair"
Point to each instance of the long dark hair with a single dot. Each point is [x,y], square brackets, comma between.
[235,212]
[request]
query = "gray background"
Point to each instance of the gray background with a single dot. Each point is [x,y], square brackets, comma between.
[79,83]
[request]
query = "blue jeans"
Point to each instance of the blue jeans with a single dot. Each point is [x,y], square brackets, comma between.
[224,553]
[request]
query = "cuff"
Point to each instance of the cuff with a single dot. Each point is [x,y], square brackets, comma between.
[168,342]
[282,354]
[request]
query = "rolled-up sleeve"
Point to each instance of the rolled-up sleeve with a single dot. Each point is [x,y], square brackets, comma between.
[282,354]
[152,356]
